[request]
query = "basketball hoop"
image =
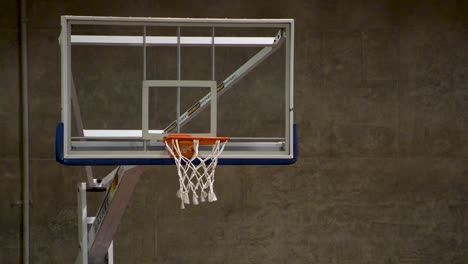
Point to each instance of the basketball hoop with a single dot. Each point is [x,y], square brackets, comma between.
[196,171]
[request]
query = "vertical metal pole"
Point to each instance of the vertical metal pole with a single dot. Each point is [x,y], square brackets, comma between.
[289,85]
[144,71]
[214,96]
[66,82]
[25,132]
[79,126]
[144,53]
[213,58]
[82,225]
[110,253]
[178,78]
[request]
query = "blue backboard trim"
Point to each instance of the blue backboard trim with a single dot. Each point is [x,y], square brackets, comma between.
[165,161]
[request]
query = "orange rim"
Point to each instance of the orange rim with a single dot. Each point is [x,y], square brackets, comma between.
[204,141]
[186,142]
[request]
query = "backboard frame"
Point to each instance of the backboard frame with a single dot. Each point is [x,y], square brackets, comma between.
[136,151]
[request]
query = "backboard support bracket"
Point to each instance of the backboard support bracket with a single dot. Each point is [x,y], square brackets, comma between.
[96,241]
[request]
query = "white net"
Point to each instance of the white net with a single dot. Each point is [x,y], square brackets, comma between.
[196,174]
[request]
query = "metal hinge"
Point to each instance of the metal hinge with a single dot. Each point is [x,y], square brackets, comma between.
[20,203]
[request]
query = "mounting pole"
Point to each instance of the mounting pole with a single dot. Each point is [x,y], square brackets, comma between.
[24,132]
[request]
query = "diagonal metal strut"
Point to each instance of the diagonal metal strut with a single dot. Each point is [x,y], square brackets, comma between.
[247,67]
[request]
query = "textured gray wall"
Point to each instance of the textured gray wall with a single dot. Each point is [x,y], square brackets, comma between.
[382,107]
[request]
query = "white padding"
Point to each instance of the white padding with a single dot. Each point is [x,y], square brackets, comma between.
[108,133]
[170,41]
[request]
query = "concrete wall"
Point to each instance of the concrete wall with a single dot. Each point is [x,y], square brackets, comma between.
[382,107]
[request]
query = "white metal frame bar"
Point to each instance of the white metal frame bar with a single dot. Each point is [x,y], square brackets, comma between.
[171,41]
[168,21]
[179,73]
[65,82]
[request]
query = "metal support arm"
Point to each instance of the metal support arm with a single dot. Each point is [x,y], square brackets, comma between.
[96,244]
